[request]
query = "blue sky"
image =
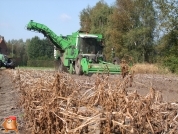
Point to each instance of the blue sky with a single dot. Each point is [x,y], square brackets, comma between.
[61,16]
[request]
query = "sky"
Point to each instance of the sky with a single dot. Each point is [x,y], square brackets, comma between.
[61,16]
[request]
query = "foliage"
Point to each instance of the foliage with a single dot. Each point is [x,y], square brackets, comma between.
[128,27]
[17,49]
[39,49]
[136,23]
[172,63]
[40,52]
[167,14]
[167,47]
[26,53]
[95,19]
[99,17]
[85,19]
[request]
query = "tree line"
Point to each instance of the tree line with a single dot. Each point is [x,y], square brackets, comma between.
[32,52]
[146,30]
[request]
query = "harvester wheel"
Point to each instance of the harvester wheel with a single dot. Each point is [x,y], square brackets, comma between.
[116,61]
[78,67]
[12,63]
[0,63]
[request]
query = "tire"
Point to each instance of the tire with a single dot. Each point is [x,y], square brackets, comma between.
[12,65]
[0,63]
[116,61]
[78,67]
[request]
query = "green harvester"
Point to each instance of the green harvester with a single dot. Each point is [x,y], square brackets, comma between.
[78,53]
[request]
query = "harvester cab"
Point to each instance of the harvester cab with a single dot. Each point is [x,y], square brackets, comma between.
[90,47]
[91,58]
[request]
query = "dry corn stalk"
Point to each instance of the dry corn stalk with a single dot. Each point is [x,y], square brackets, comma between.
[57,103]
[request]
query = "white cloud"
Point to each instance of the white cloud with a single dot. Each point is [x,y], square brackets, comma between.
[65,17]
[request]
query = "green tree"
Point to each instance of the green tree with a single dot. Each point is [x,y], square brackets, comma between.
[137,25]
[128,27]
[40,49]
[48,49]
[85,21]
[167,47]
[17,51]
[99,17]
[118,24]
[40,52]
[95,19]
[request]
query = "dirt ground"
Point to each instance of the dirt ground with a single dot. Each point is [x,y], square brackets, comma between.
[9,100]
[167,84]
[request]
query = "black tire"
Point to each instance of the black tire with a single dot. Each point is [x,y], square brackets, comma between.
[0,63]
[12,63]
[116,61]
[78,67]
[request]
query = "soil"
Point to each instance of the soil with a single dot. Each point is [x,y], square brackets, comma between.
[167,84]
[9,100]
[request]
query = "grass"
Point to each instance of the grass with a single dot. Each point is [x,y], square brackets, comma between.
[149,69]
[37,68]
[142,68]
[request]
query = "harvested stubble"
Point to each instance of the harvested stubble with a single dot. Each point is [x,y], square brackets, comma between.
[56,103]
